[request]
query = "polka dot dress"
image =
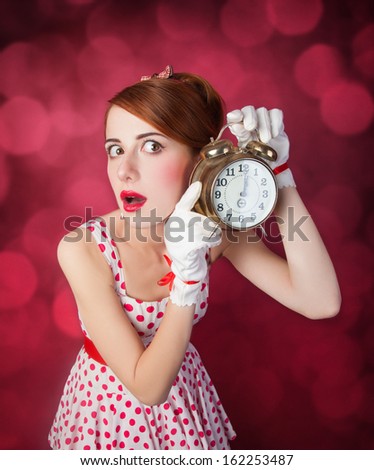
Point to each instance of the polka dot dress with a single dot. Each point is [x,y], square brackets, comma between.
[96,411]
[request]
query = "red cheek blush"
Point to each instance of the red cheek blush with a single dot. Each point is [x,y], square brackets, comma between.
[172,173]
[176,172]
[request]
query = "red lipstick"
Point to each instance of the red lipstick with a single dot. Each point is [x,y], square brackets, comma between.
[132,201]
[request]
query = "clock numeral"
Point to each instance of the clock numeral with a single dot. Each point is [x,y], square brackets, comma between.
[221,182]
[220,207]
[243,167]
[228,216]
[241,218]
[256,172]
[217,194]
[253,216]
[261,206]
[265,193]
[230,171]
[264,181]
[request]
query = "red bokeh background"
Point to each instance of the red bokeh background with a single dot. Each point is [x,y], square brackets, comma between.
[287,382]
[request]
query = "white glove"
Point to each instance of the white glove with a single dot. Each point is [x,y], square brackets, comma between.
[188,237]
[251,124]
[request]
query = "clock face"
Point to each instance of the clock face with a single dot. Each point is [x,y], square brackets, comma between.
[244,193]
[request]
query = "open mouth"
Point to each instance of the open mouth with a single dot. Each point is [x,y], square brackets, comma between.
[132,201]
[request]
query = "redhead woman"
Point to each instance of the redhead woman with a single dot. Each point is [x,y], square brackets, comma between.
[138,382]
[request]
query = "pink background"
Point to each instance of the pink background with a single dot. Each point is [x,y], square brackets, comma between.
[286,382]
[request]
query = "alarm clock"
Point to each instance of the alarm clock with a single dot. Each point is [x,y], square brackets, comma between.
[239,189]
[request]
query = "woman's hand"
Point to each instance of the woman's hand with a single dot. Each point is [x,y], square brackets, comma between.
[250,124]
[188,237]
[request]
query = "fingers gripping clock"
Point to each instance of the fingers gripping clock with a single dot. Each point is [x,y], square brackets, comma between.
[248,124]
[239,186]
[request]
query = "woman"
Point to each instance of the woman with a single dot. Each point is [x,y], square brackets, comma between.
[138,383]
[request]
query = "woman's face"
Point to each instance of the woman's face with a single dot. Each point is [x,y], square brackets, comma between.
[148,171]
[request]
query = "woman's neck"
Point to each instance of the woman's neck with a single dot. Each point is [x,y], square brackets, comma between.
[136,234]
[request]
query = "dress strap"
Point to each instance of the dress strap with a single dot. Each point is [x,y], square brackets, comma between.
[103,239]
[108,248]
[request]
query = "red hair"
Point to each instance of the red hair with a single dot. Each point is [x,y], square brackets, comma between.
[184,107]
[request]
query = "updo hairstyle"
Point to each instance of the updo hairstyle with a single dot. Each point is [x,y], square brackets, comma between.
[185,107]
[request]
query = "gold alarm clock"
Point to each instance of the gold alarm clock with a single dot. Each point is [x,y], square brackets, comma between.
[239,189]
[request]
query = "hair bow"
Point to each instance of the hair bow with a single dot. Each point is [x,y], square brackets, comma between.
[167,73]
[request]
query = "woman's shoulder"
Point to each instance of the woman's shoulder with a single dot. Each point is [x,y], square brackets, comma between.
[78,249]
[80,238]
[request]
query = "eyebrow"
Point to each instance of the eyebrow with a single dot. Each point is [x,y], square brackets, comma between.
[138,137]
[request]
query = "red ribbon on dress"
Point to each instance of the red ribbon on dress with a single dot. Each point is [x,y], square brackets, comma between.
[92,351]
[170,276]
[280,168]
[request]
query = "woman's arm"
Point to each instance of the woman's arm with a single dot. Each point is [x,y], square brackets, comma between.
[305,281]
[148,373]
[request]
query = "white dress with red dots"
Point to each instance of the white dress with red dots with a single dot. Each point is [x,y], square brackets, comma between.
[96,410]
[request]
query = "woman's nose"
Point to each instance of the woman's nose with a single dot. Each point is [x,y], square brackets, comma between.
[127,169]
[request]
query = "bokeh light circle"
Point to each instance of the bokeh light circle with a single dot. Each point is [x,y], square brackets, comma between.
[338,360]
[369,228]
[263,395]
[337,402]
[16,350]
[55,150]
[76,112]
[329,224]
[317,68]
[4,177]
[356,269]
[22,66]
[364,62]
[65,315]
[12,413]
[330,198]
[293,17]
[256,89]
[347,108]
[89,193]
[22,331]
[207,69]
[39,242]
[245,23]
[18,279]
[79,2]
[363,50]
[104,65]
[185,21]
[267,391]
[368,345]
[36,68]
[24,125]
[331,362]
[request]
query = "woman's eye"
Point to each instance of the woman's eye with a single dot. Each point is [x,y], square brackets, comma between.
[115,151]
[151,146]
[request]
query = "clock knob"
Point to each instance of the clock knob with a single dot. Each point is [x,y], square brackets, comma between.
[217,148]
[259,149]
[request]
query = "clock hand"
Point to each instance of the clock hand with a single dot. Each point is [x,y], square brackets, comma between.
[244,193]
